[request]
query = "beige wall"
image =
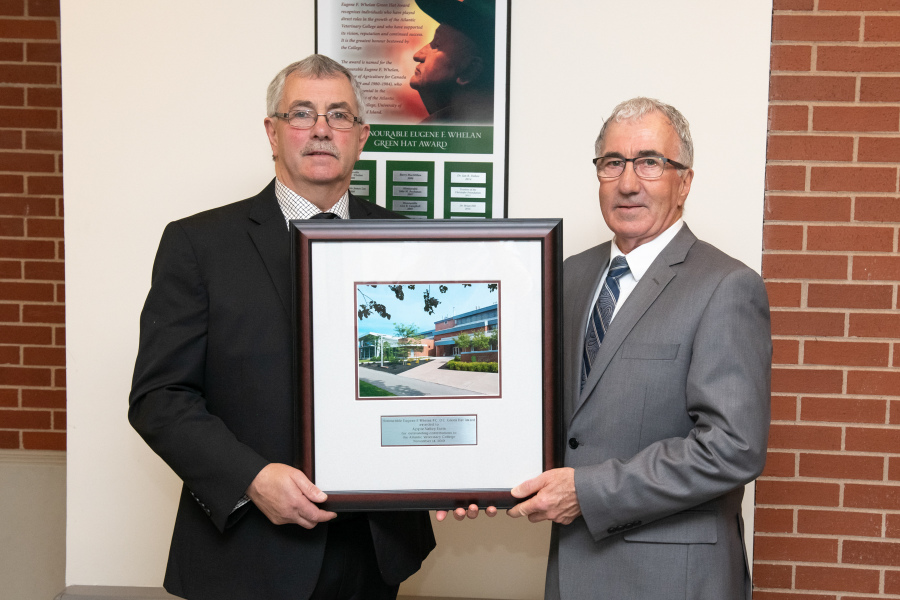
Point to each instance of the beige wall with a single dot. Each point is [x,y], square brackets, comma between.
[164,104]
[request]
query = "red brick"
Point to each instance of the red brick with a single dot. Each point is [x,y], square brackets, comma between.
[892,582]
[36,292]
[856,118]
[43,8]
[894,469]
[9,440]
[24,419]
[877,383]
[785,352]
[11,140]
[25,334]
[783,294]
[837,579]
[784,408]
[43,398]
[9,313]
[782,237]
[45,270]
[11,184]
[892,526]
[773,520]
[854,239]
[882,29]
[849,296]
[895,413]
[860,5]
[10,269]
[772,576]
[43,52]
[840,353]
[843,410]
[838,522]
[807,323]
[44,228]
[59,336]
[45,185]
[59,419]
[44,313]
[59,378]
[819,88]
[877,210]
[24,29]
[804,266]
[876,268]
[879,149]
[879,89]
[785,178]
[30,118]
[806,208]
[841,466]
[815,381]
[10,355]
[47,97]
[810,147]
[770,547]
[780,464]
[43,140]
[804,437]
[802,493]
[27,73]
[809,28]
[871,553]
[12,96]
[859,179]
[793,5]
[27,162]
[11,248]
[12,227]
[50,357]
[788,118]
[873,439]
[767,595]
[791,58]
[31,207]
[880,59]
[44,440]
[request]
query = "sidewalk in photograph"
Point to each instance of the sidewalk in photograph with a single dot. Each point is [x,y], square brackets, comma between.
[481,383]
[405,386]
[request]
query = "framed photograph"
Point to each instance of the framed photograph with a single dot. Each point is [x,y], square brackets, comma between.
[426,359]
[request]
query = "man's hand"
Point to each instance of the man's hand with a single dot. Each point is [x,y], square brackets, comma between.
[555,497]
[461,513]
[285,495]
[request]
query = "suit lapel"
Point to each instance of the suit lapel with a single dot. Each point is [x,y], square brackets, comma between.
[358,208]
[642,297]
[272,241]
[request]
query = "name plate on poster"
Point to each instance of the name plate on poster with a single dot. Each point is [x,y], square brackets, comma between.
[411,191]
[439,430]
[406,205]
[417,176]
[468,192]
[460,177]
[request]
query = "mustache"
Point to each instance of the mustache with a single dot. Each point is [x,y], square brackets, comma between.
[321,146]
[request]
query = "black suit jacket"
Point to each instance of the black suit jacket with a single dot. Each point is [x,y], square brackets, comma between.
[212,395]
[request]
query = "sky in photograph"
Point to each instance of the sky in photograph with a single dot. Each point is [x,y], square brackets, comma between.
[456,300]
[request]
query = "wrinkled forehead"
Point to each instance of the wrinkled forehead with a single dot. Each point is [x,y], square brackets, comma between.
[318,92]
[634,135]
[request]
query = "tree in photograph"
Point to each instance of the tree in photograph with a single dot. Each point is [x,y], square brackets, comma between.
[367,305]
[408,335]
[464,341]
[480,341]
[494,336]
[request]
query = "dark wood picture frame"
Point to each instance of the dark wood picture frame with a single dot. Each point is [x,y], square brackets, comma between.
[306,234]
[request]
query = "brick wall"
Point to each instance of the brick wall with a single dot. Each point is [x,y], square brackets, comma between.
[32,310]
[828,504]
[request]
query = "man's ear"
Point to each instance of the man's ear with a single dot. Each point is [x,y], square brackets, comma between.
[471,72]
[269,122]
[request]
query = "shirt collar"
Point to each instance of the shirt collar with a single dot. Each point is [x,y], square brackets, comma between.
[640,259]
[295,206]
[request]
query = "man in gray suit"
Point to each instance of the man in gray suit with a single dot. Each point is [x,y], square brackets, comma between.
[667,361]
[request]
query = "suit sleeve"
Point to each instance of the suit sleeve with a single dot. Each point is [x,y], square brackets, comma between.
[167,405]
[727,396]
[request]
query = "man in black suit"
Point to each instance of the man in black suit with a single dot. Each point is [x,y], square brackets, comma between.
[212,383]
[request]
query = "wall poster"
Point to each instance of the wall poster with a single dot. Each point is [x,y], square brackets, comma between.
[435,78]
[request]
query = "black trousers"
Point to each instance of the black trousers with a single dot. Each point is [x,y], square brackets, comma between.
[350,568]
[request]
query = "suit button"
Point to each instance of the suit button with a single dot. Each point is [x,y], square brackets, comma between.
[573,443]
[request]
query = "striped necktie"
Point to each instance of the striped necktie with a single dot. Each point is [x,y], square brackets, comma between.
[602,315]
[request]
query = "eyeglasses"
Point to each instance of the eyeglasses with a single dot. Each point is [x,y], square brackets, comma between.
[645,167]
[306,119]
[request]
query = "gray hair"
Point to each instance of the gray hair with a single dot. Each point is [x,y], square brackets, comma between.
[636,108]
[314,66]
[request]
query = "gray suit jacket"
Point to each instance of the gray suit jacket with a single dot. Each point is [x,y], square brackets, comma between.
[672,422]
